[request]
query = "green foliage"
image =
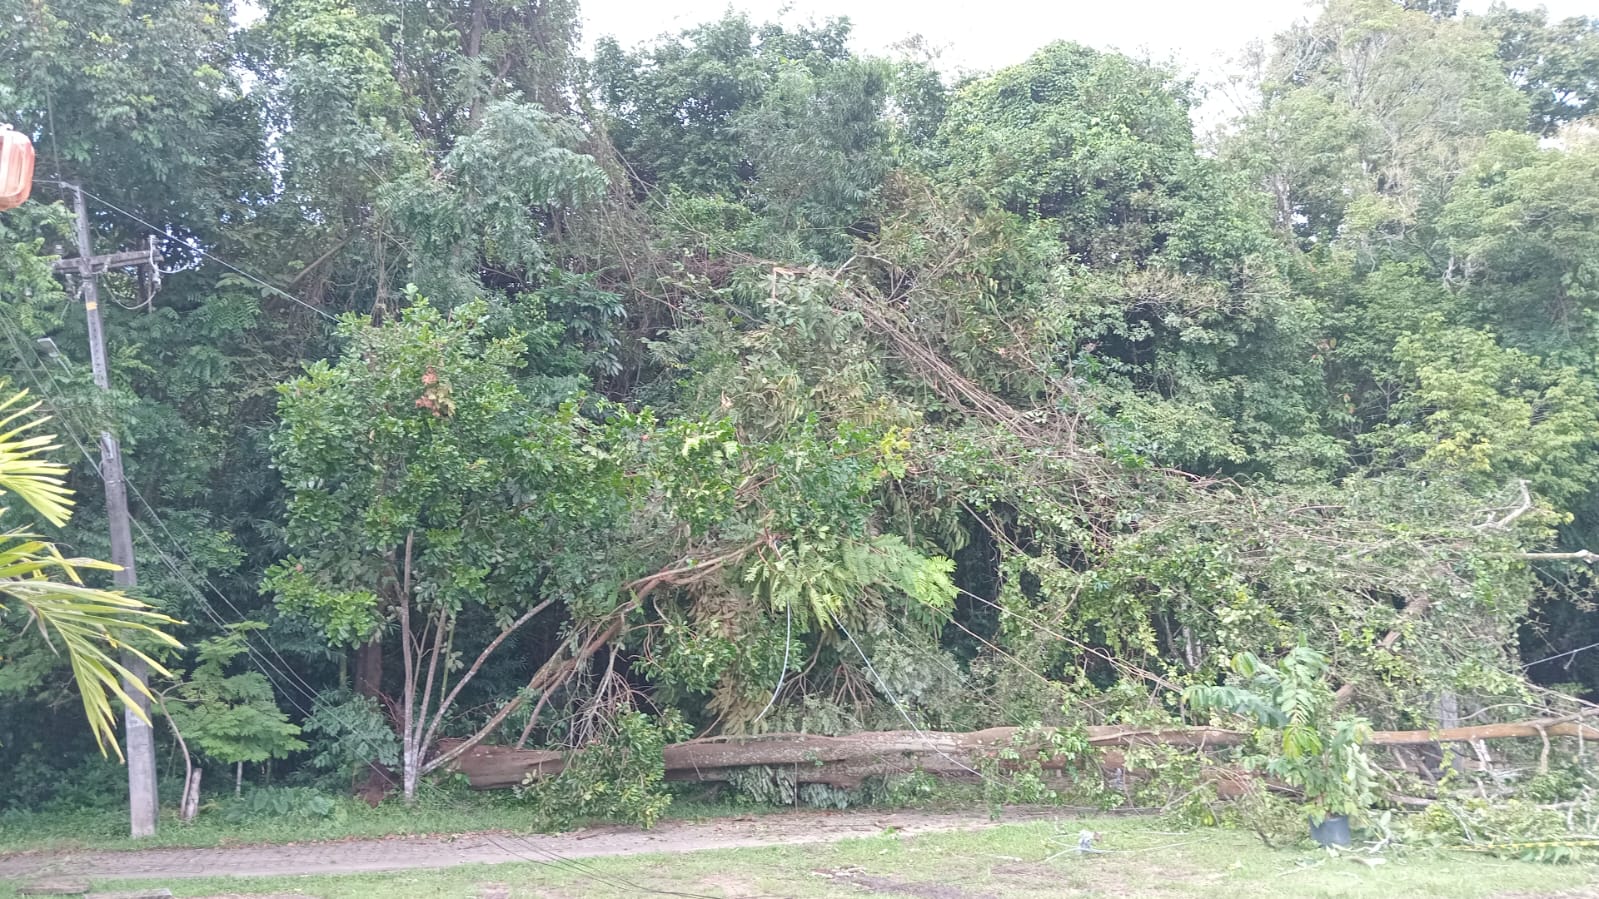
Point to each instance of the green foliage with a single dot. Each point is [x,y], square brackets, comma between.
[1308,748]
[1518,230]
[1016,774]
[1492,413]
[785,121]
[345,732]
[736,342]
[1367,113]
[437,454]
[500,186]
[87,782]
[1278,821]
[1556,64]
[619,777]
[1514,828]
[138,94]
[676,107]
[80,623]
[1092,141]
[230,718]
[816,580]
[778,787]
[298,805]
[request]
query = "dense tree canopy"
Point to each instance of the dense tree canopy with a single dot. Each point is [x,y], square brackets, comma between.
[751,383]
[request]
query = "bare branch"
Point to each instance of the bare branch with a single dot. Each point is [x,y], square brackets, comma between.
[550,672]
[1581,555]
[1522,507]
[449,699]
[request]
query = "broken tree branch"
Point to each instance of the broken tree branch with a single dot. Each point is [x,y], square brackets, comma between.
[1522,507]
[1581,555]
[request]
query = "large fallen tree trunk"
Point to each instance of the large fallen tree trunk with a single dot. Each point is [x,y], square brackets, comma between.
[847,760]
[842,761]
[1485,732]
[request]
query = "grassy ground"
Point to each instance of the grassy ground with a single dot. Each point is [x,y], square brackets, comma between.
[1021,860]
[108,828]
[434,814]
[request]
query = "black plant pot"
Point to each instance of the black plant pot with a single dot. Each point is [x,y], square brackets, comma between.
[1332,831]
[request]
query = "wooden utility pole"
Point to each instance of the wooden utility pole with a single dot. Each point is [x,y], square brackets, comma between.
[140,748]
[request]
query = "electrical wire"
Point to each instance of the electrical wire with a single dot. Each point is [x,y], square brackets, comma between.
[274,673]
[1561,655]
[269,667]
[288,670]
[788,643]
[887,691]
[192,245]
[71,428]
[550,857]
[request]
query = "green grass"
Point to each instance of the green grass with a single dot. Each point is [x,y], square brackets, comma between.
[434,813]
[1019,860]
[108,828]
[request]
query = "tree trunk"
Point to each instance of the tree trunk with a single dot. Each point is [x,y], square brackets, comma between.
[190,805]
[410,731]
[369,683]
[238,779]
[841,761]
[369,668]
[472,49]
[410,768]
[845,761]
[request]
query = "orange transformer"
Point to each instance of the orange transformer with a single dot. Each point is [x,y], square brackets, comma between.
[16,168]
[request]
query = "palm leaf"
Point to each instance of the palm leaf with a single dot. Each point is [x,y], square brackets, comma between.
[90,626]
[23,470]
[85,624]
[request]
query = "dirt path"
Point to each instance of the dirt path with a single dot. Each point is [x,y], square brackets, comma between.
[400,853]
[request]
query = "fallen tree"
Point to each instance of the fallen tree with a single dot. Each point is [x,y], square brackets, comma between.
[848,760]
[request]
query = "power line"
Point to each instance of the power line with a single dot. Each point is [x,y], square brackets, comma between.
[70,427]
[192,245]
[551,857]
[782,674]
[883,685]
[292,675]
[267,664]
[303,685]
[1561,655]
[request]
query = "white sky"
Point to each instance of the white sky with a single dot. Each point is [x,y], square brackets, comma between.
[987,34]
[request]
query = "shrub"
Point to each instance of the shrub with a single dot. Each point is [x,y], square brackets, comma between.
[619,777]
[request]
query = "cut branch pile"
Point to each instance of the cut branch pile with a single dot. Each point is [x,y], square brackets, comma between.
[847,761]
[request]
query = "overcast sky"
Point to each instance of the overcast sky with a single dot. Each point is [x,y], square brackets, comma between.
[988,34]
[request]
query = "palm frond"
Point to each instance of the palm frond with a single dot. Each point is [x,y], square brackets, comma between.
[91,627]
[23,468]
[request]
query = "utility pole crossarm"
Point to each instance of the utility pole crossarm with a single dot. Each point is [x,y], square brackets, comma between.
[101,264]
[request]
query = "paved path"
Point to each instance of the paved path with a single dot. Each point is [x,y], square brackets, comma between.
[400,853]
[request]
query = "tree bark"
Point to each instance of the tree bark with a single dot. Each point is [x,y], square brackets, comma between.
[819,759]
[847,760]
[369,668]
[472,49]
[189,803]
[410,758]
[189,807]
